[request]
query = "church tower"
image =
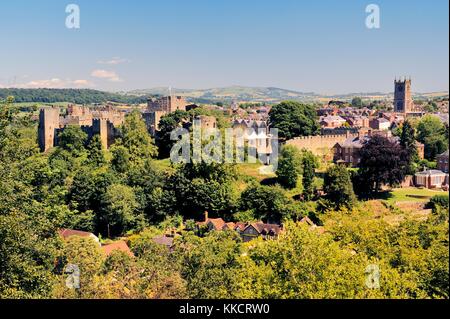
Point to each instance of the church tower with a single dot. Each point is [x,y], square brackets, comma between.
[402,96]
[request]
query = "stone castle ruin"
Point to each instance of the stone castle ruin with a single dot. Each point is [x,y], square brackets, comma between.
[157,108]
[103,121]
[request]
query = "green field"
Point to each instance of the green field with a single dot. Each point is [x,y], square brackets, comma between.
[410,194]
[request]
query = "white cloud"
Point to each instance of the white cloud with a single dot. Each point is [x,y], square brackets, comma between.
[114,61]
[108,75]
[54,83]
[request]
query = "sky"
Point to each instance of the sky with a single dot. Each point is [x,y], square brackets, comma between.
[321,46]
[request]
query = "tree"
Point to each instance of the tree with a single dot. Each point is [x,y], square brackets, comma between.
[382,161]
[119,210]
[28,249]
[167,124]
[196,187]
[210,260]
[408,143]
[268,203]
[338,187]
[120,161]
[294,119]
[96,157]
[357,102]
[136,139]
[72,139]
[432,133]
[309,165]
[289,167]
[84,254]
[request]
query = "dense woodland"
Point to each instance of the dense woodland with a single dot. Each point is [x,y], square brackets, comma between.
[128,192]
[77,96]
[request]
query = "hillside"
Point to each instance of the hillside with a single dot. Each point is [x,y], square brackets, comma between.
[237,93]
[78,96]
[268,94]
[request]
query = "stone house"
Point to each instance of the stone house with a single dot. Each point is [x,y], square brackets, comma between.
[442,162]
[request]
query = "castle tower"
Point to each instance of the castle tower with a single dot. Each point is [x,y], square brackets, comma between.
[102,128]
[48,123]
[402,96]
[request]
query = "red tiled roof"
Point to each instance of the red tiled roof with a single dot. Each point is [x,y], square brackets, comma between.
[217,223]
[118,245]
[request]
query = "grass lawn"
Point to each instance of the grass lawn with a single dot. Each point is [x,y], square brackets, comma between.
[252,169]
[410,194]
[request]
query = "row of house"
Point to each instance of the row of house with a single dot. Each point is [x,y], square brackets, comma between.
[384,121]
[249,230]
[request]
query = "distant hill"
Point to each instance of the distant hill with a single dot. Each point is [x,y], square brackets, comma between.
[267,94]
[225,94]
[77,96]
[237,93]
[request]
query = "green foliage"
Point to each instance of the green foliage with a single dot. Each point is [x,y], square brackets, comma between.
[195,188]
[167,124]
[294,119]
[439,201]
[28,249]
[210,265]
[309,165]
[77,96]
[382,161]
[433,133]
[338,187]
[72,139]
[408,143]
[268,203]
[289,167]
[357,102]
[136,139]
[120,161]
[119,210]
[96,156]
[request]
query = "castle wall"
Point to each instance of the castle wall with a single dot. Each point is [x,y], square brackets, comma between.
[48,125]
[320,145]
[92,122]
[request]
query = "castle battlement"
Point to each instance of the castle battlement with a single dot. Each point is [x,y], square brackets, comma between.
[319,144]
[92,122]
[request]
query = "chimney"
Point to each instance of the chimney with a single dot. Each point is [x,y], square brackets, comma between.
[206,215]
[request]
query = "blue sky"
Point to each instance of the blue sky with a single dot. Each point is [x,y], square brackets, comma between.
[321,46]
